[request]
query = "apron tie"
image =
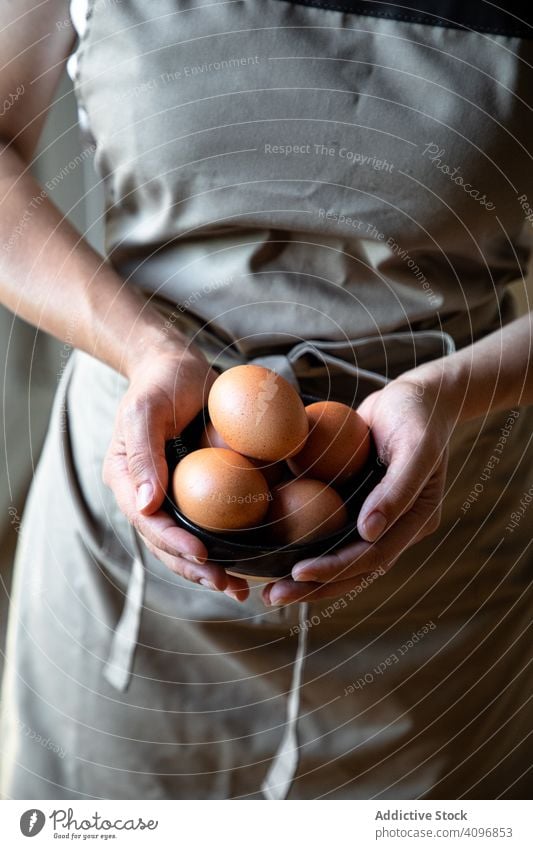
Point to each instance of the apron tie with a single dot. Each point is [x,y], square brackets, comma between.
[372,360]
[279,778]
[119,666]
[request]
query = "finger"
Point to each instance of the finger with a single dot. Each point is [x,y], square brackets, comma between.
[365,407]
[145,429]
[173,546]
[411,469]
[361,557]
[159,528]
[288,591]
[348,563]
[237,588]
[162,532]
[210,575]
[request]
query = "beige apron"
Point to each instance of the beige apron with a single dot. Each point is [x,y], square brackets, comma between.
[125,681]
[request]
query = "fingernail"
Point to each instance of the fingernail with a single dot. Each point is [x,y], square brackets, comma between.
[145,493]
[374,525]
[205,583]
[276,599]
[304,570]
[232,594]
[192,559]
[304,573]
[277,602]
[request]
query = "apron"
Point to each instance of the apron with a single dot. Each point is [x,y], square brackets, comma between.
[341,267]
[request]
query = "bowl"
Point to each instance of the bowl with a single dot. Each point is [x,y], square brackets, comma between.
[249,552]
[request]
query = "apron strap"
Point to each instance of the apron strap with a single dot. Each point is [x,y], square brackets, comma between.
[279,778]
[119,666]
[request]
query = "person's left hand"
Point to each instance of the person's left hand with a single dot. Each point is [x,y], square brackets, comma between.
[411,425]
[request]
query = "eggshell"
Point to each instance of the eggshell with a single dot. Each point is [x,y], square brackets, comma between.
[220,490]
[258,413]
[303,510]
[210,438]
[338,444]
[273,472]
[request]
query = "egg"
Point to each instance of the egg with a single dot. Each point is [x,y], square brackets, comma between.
[273,472]
[220,490]
[303,510]
[210,438]
[338,444]
[258,413]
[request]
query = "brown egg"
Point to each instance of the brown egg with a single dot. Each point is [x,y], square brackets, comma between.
[210,438]
[273,472]
[220,490]
[303,510]
[338,444]
[258,413]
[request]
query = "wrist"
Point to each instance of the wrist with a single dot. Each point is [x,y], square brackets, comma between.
[442,382]
[156,341]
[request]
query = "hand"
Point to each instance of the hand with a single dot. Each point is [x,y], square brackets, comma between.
[411,425]
[168,387]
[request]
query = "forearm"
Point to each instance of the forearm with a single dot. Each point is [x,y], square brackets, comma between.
[495,373]
[52,278]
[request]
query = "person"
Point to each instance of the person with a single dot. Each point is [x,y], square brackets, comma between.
[342,191]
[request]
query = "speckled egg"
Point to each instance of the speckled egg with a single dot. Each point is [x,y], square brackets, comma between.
[258,413]
[273,472]
[338,444]
[220,490]
[303,510]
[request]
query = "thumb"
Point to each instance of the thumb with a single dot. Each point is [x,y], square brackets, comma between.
[407,474]
[145,431]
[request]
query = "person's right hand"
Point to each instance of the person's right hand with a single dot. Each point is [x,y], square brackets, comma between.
[167,389]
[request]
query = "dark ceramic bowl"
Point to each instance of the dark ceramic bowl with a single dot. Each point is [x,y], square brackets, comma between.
[251,552]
